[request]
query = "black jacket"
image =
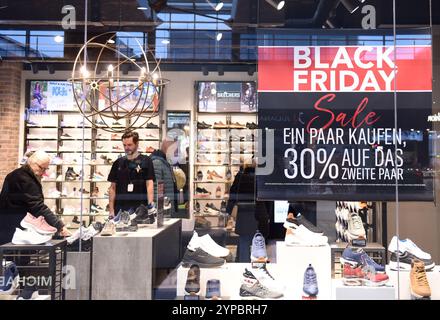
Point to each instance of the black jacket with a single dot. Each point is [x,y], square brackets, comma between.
[251,214]
[21,193]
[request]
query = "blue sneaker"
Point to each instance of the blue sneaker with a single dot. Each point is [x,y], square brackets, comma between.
[258,251]
[213,289]
[359,257]
[310,286]
[10,280]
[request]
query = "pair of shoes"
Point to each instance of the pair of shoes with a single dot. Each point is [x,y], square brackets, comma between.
[192,285]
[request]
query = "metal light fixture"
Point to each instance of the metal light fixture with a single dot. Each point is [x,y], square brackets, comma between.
[115,93]
[350,5]
[278,6]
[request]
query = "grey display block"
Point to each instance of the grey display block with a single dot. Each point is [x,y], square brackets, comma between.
[80,262]
[342,292]
[123,265]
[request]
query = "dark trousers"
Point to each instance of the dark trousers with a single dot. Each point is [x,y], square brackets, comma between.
[244,248]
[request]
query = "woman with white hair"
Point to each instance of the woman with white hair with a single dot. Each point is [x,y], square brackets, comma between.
[21,193]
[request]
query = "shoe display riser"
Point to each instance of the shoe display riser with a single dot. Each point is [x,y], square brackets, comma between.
[230,276]
[293,261]
[342,292]
[404,282]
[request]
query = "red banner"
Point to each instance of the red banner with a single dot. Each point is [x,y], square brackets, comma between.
[344,68]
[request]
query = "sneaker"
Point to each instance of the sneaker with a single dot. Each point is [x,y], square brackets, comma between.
[258,249]
[357,257]
[266,279]
[220,125]
[213,289]
[192,285]
[210,211]
[363,275]
[294,222]
[38,224]
[199,175]
[142,216]
[251,287]
[201,258]
[419,284]
[251,125]
[10,279]
[218,192]
[228,174]
[207,244]
[152,126]
[408,246]
[301,236]
[29,236]
[109,229]
[202,224]
[202,192]
[405,261]
[203,125]
[310,285]
[197,206]
[28,293]
[355,227]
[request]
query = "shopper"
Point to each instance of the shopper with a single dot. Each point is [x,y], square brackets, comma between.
[132,179]
[21,193]
[164,172]
[251,214]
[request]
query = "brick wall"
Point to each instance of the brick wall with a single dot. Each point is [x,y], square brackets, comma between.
[10,83]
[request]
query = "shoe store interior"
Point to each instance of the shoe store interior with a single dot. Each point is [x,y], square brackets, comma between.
[221,150]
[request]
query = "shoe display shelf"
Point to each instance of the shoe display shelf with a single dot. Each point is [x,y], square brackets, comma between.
[223,144]
[293,261]
[375,251]
[42,265]
[402,282]
[60,134]
[343,292]
[230,276]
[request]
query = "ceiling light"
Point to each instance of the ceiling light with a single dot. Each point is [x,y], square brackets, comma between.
[350,5]
[143,8]
[219,36]
[111,41]
[278,6]
[165,41]
[219,6]
[58,39]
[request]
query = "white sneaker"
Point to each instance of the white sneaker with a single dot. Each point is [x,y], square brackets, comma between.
[29,237]
[302,236]
[207,244]
[355,227]
[267,280]
[209,210]
[407,246]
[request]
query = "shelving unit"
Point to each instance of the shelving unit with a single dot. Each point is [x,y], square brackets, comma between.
[220,150]
[45,131]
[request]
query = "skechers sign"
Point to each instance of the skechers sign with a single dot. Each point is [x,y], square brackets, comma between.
[346,146]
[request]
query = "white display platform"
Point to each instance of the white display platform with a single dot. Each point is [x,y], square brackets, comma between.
[293,261]
[230,276]
[342,292]
[404,283]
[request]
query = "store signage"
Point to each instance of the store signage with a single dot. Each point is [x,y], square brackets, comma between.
[332,111]
[434,117]
[51,96]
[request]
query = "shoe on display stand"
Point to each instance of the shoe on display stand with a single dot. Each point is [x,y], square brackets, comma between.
[310,285]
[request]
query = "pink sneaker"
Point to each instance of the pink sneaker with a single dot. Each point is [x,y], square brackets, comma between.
[38,224]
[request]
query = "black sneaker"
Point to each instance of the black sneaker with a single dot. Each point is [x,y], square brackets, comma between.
[300,220]
[28,293]
[142,216]
[251,125]
[228,174]
[199,175]
[405,260]
[152,126]
[201,258]
[75,220]
[203,125]
[223,206]
[197,207]
[202,192]
[192,285]
[212,206]
[70,174]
